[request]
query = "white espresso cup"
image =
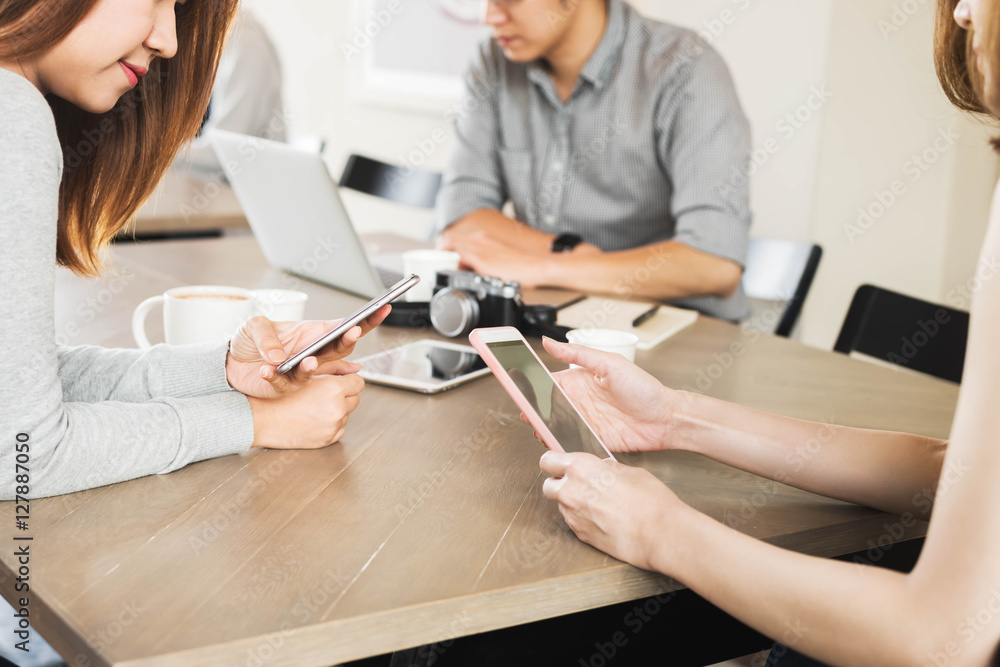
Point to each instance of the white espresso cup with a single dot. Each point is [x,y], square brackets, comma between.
[280,305]
[426,264]
[606,340]
[198,314]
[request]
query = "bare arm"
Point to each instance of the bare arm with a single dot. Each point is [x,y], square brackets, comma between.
[497,246]
[495,224]
[947,611]
[663,271]
[633,412]
[893,472]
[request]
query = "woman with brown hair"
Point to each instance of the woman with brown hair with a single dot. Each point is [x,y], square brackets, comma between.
[96,98]
[947,610]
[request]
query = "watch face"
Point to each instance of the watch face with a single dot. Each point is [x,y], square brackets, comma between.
[464,11]
[566,242]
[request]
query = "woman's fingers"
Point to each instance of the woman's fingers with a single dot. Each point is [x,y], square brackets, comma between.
[265,336]
[551,486]
[556,463]
[338,367]
[600,363]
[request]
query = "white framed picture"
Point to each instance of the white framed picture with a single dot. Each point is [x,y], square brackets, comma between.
[414,53]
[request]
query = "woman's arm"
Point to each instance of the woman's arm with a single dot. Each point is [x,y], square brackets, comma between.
[71,445]
[632,411]
[945,612]
[893,472]
[90,374]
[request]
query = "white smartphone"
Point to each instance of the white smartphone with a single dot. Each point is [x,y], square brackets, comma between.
[350,321]
[534,390]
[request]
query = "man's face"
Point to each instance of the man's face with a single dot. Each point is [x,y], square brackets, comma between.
[527,30]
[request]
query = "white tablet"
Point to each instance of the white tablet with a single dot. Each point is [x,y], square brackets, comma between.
[427,366]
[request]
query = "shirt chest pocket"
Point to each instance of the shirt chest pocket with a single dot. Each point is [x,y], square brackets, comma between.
[516,168]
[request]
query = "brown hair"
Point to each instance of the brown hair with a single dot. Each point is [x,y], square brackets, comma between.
[113,161]
[956,66]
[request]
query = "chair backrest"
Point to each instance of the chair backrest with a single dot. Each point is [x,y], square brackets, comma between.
[781,271]
[403,185]
[905,331]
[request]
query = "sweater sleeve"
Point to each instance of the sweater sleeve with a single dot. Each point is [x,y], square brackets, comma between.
[90,373]
[73,445]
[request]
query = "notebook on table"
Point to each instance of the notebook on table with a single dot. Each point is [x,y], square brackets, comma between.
[617,314]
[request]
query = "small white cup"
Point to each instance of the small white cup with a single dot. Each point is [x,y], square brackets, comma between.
[426,264]
[198,314]
[607,340]
[280,305]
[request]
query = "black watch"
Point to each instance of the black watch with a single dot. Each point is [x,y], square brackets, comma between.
[566,242]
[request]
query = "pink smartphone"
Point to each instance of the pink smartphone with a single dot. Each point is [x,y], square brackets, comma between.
[534,390]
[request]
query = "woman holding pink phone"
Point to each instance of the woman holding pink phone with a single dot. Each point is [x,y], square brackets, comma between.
[855,615]
[96,99]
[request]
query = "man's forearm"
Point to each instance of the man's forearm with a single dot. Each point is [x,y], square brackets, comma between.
[499,226]
[663,271]
[893,472]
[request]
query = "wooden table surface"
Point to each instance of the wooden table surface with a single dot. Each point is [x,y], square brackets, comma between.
[425,523]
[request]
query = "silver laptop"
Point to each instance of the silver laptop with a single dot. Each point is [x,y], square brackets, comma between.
[294,210]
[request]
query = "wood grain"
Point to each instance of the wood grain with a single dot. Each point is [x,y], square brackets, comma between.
[427,522]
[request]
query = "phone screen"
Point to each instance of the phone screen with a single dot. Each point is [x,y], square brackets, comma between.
[426,362]
[350,321]
[545,396]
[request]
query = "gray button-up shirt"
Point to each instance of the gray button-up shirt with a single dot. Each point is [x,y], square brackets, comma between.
[651,146]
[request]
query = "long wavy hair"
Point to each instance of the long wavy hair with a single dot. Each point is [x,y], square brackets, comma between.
[113,161]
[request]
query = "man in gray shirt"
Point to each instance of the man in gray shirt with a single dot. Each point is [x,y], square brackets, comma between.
[620,142]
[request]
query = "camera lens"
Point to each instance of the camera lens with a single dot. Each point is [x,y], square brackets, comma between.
[454,313]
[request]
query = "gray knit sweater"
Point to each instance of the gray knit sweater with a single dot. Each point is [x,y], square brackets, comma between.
[90,416]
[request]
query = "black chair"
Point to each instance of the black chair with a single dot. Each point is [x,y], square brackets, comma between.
[905,331]
[779,274]
[403,185]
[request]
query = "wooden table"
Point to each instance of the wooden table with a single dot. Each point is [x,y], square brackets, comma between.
[427,522]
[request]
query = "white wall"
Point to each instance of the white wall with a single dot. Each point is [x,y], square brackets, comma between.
[889,111]
[885,105]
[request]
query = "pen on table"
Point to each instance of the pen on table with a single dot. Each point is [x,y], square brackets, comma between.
[645,316]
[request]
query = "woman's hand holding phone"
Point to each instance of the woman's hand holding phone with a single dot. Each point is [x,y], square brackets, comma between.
[311,418]
[260,345]
[629,408]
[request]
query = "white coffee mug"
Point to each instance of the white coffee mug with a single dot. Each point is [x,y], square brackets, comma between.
[280,305]
[426,264]
[607,340]
[198,314]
